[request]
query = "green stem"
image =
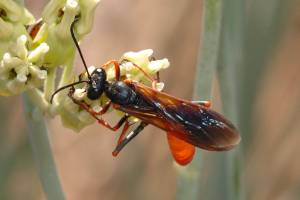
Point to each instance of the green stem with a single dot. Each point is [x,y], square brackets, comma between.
[220,170]
[37,98]
[188,183]
[229,168]
[206,69]
[42,152]
[49,85]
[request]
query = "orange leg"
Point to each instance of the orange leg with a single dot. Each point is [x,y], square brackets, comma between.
[101,112]
[80,76]
[153,81]
[122,143]
[157,77]
[88,108]
[125,128]
[117,126]
[206,104]
[117,68]
[117,71]
[96,114]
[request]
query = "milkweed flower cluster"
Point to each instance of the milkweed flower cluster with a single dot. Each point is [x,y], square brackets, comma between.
[30,56]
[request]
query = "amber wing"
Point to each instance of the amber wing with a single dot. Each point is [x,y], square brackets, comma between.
[188,121]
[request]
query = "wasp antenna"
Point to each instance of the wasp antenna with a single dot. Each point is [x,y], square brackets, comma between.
[65,87]
[78,48]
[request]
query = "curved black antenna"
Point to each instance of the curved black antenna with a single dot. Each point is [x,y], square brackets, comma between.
[65,87]
[78,48]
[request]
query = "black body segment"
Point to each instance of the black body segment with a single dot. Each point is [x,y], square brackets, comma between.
[119,93]
[190,122]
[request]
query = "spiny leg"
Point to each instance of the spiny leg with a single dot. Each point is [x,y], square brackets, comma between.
[128,138]
[94,114]
[102,111]
[206,104]
[117,71]
[147,75]
[117,68]
[87,107]
[80,76]
[157,77]
[152,58]
[125,128]
[115,127]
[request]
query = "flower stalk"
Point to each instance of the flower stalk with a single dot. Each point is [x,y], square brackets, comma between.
[42,152]
[188,178]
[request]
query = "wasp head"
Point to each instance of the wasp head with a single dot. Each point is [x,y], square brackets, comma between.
[97,83]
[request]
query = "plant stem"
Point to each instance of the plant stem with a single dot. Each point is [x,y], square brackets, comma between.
[188,177]
[42,152]
[208,53]
[230,61]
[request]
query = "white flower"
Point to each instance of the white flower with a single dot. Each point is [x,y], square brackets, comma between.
[19,70]
[146,62]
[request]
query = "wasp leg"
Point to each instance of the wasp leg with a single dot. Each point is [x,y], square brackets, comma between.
[115,127]
[117,68]
[101,112]
[147,75]
[206,104]
[157,77]
[80,76]
[88,108]
[104,108]
[125,128]
[95,114]
[152,58]
[128,138]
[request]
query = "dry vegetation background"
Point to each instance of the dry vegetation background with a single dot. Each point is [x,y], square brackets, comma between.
[144,170]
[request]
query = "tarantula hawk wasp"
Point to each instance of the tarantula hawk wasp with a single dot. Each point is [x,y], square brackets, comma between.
[188,124]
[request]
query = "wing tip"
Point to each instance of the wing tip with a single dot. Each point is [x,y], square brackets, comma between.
[234,141]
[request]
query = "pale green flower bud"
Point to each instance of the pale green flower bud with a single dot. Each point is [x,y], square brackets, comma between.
[15,13]
[13,19]
[35,55]
[21,50]
[6,29]
[87,8]
[59,15]
[52,11]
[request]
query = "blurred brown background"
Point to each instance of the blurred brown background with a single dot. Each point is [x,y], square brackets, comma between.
[144,170]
